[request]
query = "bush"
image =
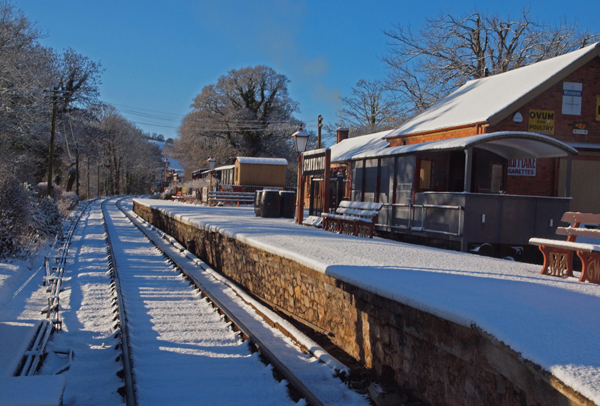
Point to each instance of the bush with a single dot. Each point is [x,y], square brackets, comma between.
[67,202]
[15,211]
[27,216]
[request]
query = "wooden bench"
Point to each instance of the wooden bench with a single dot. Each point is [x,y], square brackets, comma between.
[558,255]
[352,218]
[231,197]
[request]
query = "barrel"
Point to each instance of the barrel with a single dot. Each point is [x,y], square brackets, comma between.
[270,203]
[257,202]
[288,204]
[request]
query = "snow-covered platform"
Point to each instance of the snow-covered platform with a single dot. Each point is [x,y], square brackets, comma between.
[552,322]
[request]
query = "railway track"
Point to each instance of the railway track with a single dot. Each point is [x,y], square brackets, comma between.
[177,316]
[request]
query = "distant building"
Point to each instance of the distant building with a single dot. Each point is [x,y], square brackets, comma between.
[249,173]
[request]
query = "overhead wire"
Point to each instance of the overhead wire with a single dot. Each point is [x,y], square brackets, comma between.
[163,119]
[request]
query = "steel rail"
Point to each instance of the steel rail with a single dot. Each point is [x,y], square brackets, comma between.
[260,346]
[127,362]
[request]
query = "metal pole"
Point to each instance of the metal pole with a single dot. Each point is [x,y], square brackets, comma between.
[98,180]
[299,193]
[210,188]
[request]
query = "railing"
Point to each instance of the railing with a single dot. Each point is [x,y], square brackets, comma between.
[411,218]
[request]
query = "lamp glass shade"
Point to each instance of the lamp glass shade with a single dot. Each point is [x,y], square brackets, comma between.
[300,140]
[211,163]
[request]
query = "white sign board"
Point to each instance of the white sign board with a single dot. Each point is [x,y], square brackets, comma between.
[571,103]
[522,167]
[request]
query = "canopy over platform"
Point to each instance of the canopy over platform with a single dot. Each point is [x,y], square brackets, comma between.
[508,144]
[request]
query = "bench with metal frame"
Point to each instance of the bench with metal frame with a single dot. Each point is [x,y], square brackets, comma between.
[352,218]
[231,197]
[558,255]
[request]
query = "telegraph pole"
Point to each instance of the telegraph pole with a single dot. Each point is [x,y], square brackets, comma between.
[51,152]
[320,118]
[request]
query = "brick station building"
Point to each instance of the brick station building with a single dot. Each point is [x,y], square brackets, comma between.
[559,97]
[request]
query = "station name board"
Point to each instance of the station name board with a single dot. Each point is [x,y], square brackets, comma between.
[314,163]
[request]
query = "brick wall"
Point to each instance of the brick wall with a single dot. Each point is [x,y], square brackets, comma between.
[437,360]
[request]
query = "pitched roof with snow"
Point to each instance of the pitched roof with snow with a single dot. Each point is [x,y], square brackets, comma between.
[491,99]
[349,147]
[261,161]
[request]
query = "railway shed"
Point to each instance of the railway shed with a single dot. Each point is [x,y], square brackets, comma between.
[249,173]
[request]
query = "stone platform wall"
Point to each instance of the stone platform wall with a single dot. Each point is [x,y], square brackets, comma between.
[441,362]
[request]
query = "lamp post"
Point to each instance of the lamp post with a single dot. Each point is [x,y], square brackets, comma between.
[211,165]
[300,142]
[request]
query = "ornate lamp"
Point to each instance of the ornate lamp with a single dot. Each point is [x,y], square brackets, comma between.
[300,142]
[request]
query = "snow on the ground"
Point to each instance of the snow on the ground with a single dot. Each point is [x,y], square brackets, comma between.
[552,321]
[319,372]
[183,352]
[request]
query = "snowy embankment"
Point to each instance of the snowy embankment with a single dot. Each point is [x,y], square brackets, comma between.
[551,321]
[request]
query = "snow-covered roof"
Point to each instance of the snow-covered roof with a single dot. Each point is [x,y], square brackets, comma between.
[508,144]
[350,147]
[261,161]
[491,99]
[223,168]
[584,145]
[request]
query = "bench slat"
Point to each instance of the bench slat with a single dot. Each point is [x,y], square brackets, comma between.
[579,232]
[575,217]
[360,205]
[575,246]
[356,212]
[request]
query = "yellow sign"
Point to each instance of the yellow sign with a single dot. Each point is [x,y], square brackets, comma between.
[541,121]
[598,107]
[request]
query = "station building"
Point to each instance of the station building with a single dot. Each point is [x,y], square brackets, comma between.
[497,161]
[559,97]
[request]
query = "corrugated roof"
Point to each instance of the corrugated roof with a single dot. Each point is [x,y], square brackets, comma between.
[493,98]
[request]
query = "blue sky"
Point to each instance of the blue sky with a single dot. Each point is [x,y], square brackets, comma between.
[158,55]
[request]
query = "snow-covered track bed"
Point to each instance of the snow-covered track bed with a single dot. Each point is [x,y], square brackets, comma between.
[191,337]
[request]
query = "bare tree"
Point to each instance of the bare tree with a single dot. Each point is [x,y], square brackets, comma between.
[449,50]
[133,163]
[248,112]
[370,108]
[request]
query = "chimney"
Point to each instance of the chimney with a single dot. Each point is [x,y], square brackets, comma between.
[342,134]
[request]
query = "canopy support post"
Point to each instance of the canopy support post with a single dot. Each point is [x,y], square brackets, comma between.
[468,169]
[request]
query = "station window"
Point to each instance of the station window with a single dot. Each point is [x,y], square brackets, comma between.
[425,174]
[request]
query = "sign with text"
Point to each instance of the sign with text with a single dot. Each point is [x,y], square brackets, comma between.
[571,102]
[522,167]
[314,162]
[541,121]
